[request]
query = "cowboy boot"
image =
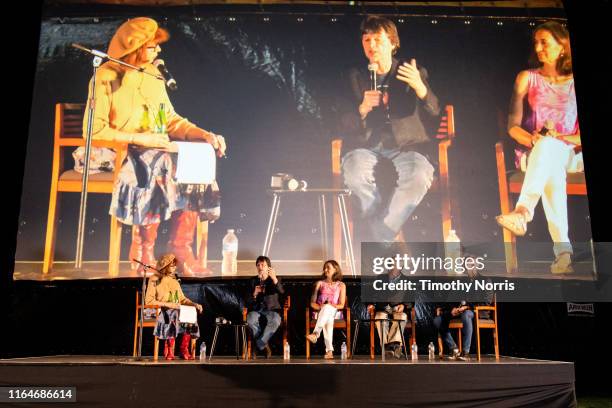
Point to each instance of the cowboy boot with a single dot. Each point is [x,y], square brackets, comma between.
[143,245]
[185,342]
[136,249]
[181,238]
[149,235]
[170,345]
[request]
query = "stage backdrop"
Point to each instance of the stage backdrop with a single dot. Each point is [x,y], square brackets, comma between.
[275,85]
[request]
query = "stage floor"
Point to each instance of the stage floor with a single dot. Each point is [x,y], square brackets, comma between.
[275,360]
[360,382]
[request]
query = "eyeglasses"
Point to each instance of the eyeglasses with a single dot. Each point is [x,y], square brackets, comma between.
[153,48]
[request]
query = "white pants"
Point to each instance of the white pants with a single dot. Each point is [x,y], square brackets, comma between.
[393,334]
[325,324]
[548,164]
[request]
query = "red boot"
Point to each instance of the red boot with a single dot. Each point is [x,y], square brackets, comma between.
[169,349]
[185,343]
[181,239]
[143,245]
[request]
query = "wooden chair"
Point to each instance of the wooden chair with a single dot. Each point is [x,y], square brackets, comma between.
[145,323]
[152,323]
[284,327]
[445,135]
[487,323]
[512,182]
[68,135]
[410,325]
[338,324]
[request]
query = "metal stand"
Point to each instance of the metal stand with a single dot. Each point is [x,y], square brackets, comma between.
[340,195]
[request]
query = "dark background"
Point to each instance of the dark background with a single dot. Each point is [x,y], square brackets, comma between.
[103,310]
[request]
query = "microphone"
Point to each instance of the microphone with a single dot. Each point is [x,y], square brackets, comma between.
[548,126]
[144,264]
[170,81]
[373,68]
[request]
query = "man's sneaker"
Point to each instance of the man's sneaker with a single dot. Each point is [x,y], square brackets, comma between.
[455,354]
[464,357]
[397,353]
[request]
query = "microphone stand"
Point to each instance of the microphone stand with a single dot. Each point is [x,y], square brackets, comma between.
[96,62]
[142,305]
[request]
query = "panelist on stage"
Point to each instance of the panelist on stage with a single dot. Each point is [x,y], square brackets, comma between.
[133,107]
[264,305]
[327,302]
[165,290]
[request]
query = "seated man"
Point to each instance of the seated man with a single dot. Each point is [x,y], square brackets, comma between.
[263,304]
[446,313]
[391,310]
[392,105]
[443,317]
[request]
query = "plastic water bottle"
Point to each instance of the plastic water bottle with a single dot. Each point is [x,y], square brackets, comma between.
[203,351]
[431,351]
[286,351]
[343,351]
[452,247]
[414,352]
[230,254]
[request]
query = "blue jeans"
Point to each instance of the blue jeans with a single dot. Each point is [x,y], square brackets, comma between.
[262,336]
[415,175]
[441,323]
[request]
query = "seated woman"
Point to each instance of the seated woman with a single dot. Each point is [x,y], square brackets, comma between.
[327,300]
[164,290]
[133,107]
[543,119]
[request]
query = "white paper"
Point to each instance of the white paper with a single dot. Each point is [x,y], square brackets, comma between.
[188,314]
[196,164]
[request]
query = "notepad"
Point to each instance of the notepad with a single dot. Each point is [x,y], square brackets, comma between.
[196,163]
[188,314]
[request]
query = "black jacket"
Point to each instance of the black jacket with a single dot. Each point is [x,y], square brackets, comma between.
[409,116]
[269,299]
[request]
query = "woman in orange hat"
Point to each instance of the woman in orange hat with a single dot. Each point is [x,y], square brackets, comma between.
[128,105]
[164,290]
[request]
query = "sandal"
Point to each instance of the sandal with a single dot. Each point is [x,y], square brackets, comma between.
[329,355]
[514,222]
[562,264]
[312,338]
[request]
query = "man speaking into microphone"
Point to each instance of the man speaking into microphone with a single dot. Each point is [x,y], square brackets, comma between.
[393,101]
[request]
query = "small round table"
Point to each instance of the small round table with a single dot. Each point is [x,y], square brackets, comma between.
[237,327]
[358,323]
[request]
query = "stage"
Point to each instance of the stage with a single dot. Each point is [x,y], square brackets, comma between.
[225,381]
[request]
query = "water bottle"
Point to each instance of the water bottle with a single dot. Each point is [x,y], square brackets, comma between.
[414,352]
[229,265]
[452,248]
[286,351]
[161,122]
[203,351]
[343,351]
[432,351]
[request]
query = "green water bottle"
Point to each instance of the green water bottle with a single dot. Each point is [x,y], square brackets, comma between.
[161,121]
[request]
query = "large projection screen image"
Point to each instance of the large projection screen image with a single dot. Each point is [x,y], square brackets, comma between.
[303,137]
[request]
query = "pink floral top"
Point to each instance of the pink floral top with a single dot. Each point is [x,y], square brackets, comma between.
[329,292]
[547,101]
